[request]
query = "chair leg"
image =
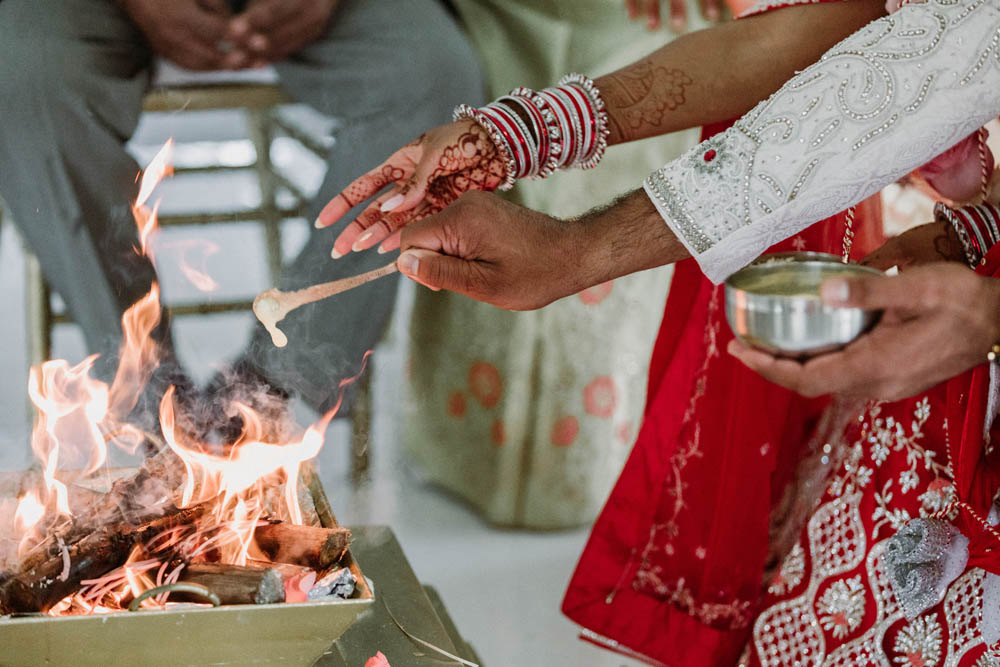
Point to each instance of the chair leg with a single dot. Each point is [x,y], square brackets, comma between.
[262,134]
[39,311]
[38,318]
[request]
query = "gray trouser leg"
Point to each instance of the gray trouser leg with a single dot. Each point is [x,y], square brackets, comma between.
[388,70]
[72,75]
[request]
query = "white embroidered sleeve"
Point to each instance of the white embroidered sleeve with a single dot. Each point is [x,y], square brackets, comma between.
[882,102]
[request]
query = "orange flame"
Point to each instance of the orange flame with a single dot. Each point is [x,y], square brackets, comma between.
[157,169]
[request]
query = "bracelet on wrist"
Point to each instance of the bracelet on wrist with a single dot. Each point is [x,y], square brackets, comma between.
[978,228]
[537,133]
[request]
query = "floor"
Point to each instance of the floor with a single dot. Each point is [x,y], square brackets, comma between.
[503,588]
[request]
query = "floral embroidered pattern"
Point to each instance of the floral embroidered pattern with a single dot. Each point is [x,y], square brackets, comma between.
[675,485]
[842,607]
[919,643]
[790,575]
[847,614]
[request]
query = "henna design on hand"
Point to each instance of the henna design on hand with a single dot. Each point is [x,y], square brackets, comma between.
[468,162]
[472,163]
[639,98]
[947,244]
[360,190]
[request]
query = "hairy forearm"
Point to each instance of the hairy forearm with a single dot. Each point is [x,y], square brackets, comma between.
[720,73]
[623,237]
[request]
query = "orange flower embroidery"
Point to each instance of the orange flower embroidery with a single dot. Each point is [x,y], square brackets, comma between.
[564,431]
[485,384]
[600,397]
[456,404]
[498,434]
[624,433]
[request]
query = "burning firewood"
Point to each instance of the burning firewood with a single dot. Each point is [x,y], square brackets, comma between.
[41,582]
[311,546]
[144,498]
[234,584]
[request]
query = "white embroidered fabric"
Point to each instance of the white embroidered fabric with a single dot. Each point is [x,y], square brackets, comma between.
[991,595]
[882,102]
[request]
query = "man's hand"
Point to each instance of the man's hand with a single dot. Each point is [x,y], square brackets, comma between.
[939,321]
[494,251]
[711,9]
[272,30]
[186,32]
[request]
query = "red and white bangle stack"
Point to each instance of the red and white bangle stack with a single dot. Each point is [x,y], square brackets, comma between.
[978,228]
[537,133]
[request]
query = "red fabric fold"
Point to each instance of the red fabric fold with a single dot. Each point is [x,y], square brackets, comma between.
[976,482]
[675,562]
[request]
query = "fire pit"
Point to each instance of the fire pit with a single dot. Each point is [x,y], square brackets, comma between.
[220,549]
[283,633]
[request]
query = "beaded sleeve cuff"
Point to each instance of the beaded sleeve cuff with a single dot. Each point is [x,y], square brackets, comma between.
[879,104]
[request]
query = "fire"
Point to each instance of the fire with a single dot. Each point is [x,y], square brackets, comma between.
[29,512]
[145,218]
[237,484]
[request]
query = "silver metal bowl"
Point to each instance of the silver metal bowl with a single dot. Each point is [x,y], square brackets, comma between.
[774,305]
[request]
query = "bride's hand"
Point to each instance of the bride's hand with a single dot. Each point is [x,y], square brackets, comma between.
[426,175]
[932,242]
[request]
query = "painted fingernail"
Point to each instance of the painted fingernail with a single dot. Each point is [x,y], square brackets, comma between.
[382,250]
[677,23]
[392,203]
[335,254]
[318,224]
[408,263]
[361,239]
[835,290]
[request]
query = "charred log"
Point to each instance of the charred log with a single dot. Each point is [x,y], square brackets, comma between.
[235,584]
[311,546]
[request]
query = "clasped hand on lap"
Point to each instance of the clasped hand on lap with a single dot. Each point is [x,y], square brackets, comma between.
[206,35]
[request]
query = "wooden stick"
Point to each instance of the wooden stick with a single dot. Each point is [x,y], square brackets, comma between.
[311,546]
[273,305]
[235,584]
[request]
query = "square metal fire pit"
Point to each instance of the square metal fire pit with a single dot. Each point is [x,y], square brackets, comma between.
[287,634]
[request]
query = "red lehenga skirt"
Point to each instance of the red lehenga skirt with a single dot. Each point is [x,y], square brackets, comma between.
[749,520]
